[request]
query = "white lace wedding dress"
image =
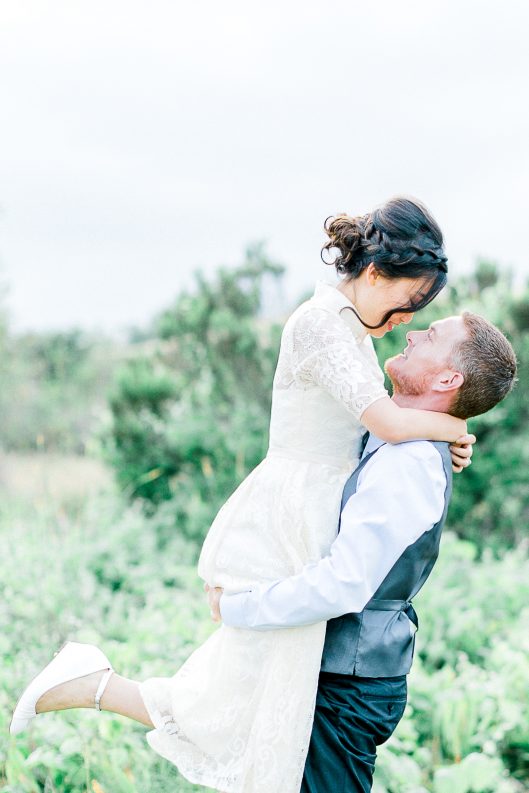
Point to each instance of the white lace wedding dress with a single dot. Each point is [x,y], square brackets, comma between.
[237,716]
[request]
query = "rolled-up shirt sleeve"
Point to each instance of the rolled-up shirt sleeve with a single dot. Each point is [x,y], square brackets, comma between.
[400,495]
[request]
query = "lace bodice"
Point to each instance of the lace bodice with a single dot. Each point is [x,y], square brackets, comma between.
[326,376]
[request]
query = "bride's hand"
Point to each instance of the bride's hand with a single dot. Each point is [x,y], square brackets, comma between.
[214,596]
[461,452]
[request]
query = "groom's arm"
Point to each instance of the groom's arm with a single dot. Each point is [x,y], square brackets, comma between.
[400,495]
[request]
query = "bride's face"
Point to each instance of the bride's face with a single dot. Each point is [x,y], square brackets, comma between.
[376,295]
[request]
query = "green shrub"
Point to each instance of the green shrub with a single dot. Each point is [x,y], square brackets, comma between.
[100,579]
[191,420]
[53,389]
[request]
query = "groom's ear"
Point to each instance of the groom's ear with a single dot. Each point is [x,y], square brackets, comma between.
[448,380]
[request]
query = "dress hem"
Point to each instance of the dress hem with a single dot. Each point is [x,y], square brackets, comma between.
[156,738]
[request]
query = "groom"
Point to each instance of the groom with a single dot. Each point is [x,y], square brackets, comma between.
[393,510]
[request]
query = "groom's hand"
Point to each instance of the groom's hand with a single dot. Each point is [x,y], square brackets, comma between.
[214,596]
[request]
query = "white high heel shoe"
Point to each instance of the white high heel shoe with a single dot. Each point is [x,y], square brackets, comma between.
[73,660]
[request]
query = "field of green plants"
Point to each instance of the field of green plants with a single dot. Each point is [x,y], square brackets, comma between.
[100,577]
[168,424]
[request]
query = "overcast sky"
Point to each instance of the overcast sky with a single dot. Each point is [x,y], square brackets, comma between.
[143,140]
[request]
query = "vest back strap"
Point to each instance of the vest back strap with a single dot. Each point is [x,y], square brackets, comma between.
[394,605]
[388,605]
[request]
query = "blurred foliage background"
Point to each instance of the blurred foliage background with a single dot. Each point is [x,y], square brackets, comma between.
[115,457]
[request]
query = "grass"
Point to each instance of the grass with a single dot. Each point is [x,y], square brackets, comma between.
[91,573]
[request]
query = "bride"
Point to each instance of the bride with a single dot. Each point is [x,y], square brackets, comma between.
[237,716]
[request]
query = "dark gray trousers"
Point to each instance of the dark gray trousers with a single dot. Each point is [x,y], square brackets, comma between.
[353,716]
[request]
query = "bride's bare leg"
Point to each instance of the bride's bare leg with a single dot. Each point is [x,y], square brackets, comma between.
[121,696]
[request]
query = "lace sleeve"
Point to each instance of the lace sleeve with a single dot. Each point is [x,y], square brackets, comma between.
[325,353]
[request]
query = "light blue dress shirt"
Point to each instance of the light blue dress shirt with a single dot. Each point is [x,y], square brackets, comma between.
[399,496]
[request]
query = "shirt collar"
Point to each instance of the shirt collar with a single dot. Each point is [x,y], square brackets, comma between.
[331,297]
[373,443]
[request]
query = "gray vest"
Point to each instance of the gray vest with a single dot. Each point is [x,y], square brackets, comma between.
[379,641]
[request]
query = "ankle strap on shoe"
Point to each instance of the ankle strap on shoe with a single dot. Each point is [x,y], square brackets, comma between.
[101,688]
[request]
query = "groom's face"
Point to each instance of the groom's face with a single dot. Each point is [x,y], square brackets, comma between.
[428,354]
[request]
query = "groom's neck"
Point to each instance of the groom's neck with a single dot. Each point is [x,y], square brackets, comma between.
[430,401]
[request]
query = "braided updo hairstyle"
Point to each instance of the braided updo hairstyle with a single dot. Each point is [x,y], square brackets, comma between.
[401,238]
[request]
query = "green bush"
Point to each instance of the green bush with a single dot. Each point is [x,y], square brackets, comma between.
[53,389]
[191,420]
[100,579]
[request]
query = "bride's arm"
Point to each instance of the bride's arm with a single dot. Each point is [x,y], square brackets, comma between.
[394,424]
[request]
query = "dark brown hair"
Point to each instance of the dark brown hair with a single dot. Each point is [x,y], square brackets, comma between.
[401,238]
[487,362]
